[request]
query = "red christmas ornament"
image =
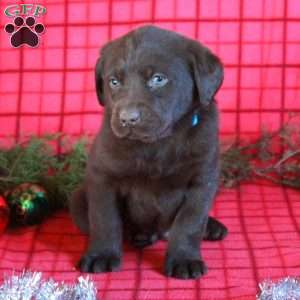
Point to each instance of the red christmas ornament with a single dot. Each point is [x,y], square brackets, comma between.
[4,214]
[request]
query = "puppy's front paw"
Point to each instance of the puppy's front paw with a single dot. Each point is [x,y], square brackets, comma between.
[92,263]
[184,268]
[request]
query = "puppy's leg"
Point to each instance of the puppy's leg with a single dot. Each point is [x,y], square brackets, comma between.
[79,209]
[183,258]
[215,230]
[105,229]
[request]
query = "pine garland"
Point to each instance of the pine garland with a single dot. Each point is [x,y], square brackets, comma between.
[36,162]
[273,156]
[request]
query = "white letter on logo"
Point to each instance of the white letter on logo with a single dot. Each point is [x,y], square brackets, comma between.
[39,10]
[9,13]
[25,8]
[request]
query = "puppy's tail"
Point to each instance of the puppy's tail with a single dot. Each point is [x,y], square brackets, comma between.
[78,207]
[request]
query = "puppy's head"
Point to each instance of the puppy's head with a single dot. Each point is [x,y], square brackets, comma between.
[150,78]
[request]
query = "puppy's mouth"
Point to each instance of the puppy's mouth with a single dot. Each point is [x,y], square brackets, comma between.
[150,138]
[149,129]
[138,134]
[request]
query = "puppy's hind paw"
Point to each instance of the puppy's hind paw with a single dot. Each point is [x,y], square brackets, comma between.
[99,263]
[143,240]
[215,230]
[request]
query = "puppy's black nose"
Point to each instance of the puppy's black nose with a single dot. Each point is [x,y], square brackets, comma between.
[129,116]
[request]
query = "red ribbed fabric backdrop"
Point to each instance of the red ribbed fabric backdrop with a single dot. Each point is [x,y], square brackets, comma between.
[50,89]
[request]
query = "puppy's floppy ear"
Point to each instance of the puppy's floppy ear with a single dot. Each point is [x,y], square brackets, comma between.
[99,80]
[207,71]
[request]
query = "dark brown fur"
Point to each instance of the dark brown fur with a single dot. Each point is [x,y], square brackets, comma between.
[158,176]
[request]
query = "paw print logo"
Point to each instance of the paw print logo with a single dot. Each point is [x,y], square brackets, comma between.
[24,31]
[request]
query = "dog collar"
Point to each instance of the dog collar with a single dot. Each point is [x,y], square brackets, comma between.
[195,120]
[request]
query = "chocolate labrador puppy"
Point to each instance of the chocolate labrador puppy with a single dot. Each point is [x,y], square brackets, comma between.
[153,169]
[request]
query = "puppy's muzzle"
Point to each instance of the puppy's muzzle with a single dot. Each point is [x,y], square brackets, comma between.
[129,117]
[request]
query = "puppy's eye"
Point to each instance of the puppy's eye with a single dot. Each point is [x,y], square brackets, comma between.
[157,80]
[114,82]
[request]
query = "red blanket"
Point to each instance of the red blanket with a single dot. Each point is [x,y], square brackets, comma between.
[263,243]
[50,88]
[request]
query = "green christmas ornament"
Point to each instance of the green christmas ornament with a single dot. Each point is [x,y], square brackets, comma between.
[28,204]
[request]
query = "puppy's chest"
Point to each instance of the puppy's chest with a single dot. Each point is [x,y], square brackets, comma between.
[154,185]
[162,164]
[152,201]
